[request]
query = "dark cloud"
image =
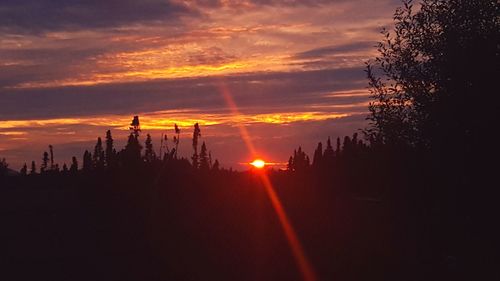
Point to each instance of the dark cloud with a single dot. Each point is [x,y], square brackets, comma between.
[34,16]
[260,91]
[334,50]
[236,3]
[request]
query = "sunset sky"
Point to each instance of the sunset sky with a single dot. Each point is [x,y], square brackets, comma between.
[70,70]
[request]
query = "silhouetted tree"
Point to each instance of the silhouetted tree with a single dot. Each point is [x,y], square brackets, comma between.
[132,151]
[45,162]
[176,139]
[33,168]
[52,166]
[135,126]
[196,135]
[109,153]
[74,165]
[329,154]
[164,146]
[4,167]
[299,162]
[433,74]
[87,161]
[149,153]
[98,156]
[65,169]
[216,165]
[318,156]
[337,149]
[204,159]
[24,170]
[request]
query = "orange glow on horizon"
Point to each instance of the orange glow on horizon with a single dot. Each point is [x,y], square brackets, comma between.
[258,163]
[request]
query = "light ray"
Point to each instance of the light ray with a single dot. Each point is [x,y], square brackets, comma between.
[298,253]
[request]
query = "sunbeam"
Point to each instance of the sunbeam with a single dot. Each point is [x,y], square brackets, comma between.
[299,255]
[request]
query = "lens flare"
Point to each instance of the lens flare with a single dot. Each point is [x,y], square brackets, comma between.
[298,253]
[258,163]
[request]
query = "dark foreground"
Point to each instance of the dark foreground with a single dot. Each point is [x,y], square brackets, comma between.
[218,226]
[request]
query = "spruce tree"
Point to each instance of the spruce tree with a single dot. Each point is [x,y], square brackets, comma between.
[204,160]
[149,153]
[98,156]
[87,161]
[45,162]
[196,136]
[318,156]
[74,165]
[109,154]
[24,170]
[33,168]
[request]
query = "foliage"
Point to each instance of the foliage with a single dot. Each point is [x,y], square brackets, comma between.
[434,73]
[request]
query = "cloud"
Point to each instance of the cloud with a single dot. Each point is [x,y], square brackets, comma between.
[335,50]
[35,16]
[263,91]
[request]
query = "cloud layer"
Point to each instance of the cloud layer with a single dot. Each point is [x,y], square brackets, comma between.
[71,69]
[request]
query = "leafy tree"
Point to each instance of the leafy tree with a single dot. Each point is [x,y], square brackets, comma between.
[434,73]
[24,170]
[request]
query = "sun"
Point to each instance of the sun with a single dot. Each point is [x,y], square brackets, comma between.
[258,163]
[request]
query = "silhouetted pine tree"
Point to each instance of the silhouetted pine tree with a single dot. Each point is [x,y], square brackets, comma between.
[329,154]
[149,153]
[196,135]
[65,169]
[204,160]
[98,156]
[289,166]
[87,161]
[318,156]
[33,168]
[109,153]
[338,149]
[132,152]
[45,162]
[299,162]
[216,165]
[74,165]
[4,167]
[176,139]
[135,126]
[24,170]
[51,149]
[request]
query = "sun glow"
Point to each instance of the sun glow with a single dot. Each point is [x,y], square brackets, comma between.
[258,163]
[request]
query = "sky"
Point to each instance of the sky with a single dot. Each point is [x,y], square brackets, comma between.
[70,70]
